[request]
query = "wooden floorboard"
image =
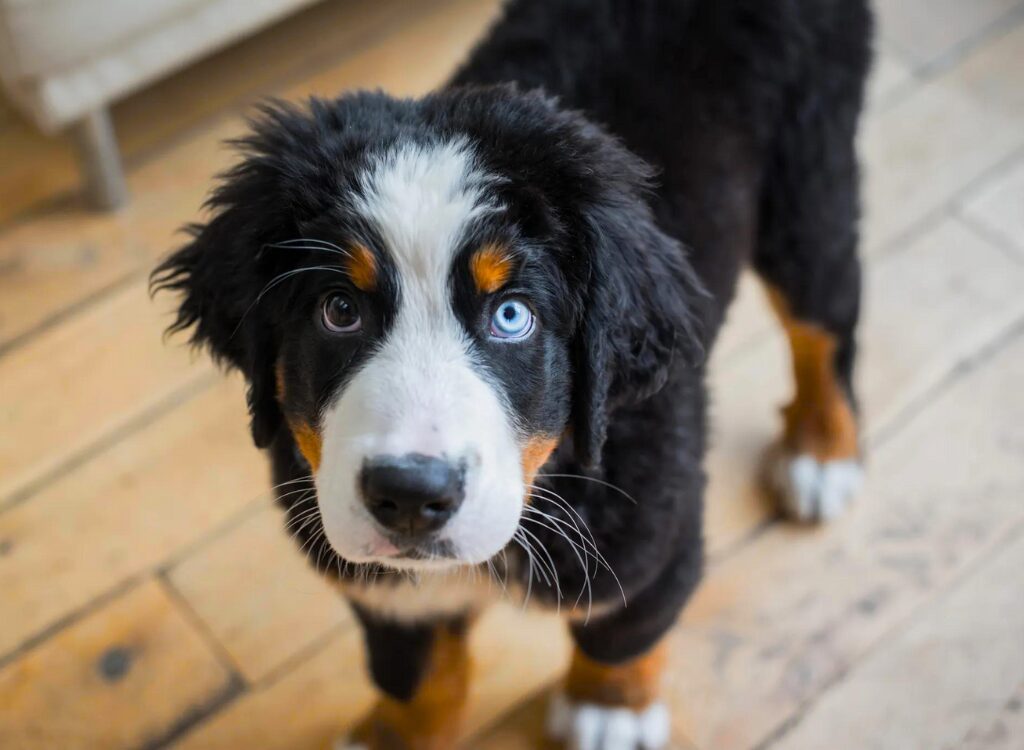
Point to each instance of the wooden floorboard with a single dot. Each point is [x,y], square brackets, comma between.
[126,675]
[967,647]
[127,511]
[152,598]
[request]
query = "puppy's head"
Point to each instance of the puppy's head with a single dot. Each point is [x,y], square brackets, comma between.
[429,296]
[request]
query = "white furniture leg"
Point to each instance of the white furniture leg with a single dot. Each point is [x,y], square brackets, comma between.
[100,160]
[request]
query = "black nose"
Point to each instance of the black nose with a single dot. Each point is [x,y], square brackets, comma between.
[412,494]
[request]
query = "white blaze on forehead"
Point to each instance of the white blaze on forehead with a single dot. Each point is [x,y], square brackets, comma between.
[423,198]
[423,391]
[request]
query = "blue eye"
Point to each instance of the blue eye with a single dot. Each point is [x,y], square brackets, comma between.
[512,320]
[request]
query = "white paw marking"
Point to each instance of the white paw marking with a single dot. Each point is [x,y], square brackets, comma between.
[812,490]
[585,726]
[344,743]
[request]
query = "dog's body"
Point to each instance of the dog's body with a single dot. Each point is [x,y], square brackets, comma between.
[584,391]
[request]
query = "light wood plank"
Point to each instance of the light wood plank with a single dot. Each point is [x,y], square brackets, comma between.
[1004,730]
[890,78]
[998,206]
[790,612]
[440,41]
[54,261]
[306,709]
[514,656]
[82,381]
[925,30]
[927,307]
[924,687]
[123,676]
[748,321]
[923,150]
[126,511]
[258,596]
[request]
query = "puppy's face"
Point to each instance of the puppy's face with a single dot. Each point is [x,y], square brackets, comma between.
[424,361]
[426,297]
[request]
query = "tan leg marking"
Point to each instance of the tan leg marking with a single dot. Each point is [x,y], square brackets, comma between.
[819,421]
[635,684]
[490,267]
[362,268]
[535,454]
[431,720]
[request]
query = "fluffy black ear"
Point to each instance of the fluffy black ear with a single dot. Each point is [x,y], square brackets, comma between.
[221,272]
[216,279]
[642,314]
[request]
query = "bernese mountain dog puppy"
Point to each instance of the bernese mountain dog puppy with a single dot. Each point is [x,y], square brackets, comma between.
[475,327]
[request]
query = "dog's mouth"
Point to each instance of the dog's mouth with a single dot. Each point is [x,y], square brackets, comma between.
[400,553]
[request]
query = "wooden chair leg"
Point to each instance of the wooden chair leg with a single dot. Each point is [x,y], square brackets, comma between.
[100,161]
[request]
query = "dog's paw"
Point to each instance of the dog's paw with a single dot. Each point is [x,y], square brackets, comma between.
[586,726]
[811,490]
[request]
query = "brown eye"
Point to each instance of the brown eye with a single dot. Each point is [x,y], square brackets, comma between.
[340,314]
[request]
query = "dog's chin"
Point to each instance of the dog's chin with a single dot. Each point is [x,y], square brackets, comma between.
[427,557]
[415,564]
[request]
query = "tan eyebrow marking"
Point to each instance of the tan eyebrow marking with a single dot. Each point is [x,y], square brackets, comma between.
[490,266]
[362,268]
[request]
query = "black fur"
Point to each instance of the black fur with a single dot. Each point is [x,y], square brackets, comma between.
[648,148]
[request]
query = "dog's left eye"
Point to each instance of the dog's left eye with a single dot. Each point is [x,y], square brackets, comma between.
[512,320]
[340,314]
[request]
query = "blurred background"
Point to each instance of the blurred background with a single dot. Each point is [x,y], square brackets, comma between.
[149,597]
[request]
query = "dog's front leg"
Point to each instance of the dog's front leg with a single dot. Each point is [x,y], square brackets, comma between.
[422,671]
[612,706]
[612,698]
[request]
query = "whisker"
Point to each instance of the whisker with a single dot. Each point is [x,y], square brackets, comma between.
[529,570]
[550,562]
[280,278]
[573,515]
[576,548]
[591,550]
[602,482]
[560,502]
[310,490]
[308,240]
[307,478]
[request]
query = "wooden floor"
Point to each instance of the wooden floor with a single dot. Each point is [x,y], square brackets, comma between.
[149,598]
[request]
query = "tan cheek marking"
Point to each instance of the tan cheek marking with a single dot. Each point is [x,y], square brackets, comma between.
[635,684]
[309,442]
[490,267]
[307,438]
[535,454]
[431,720]
[362,268]
[819,420]
[279,381]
